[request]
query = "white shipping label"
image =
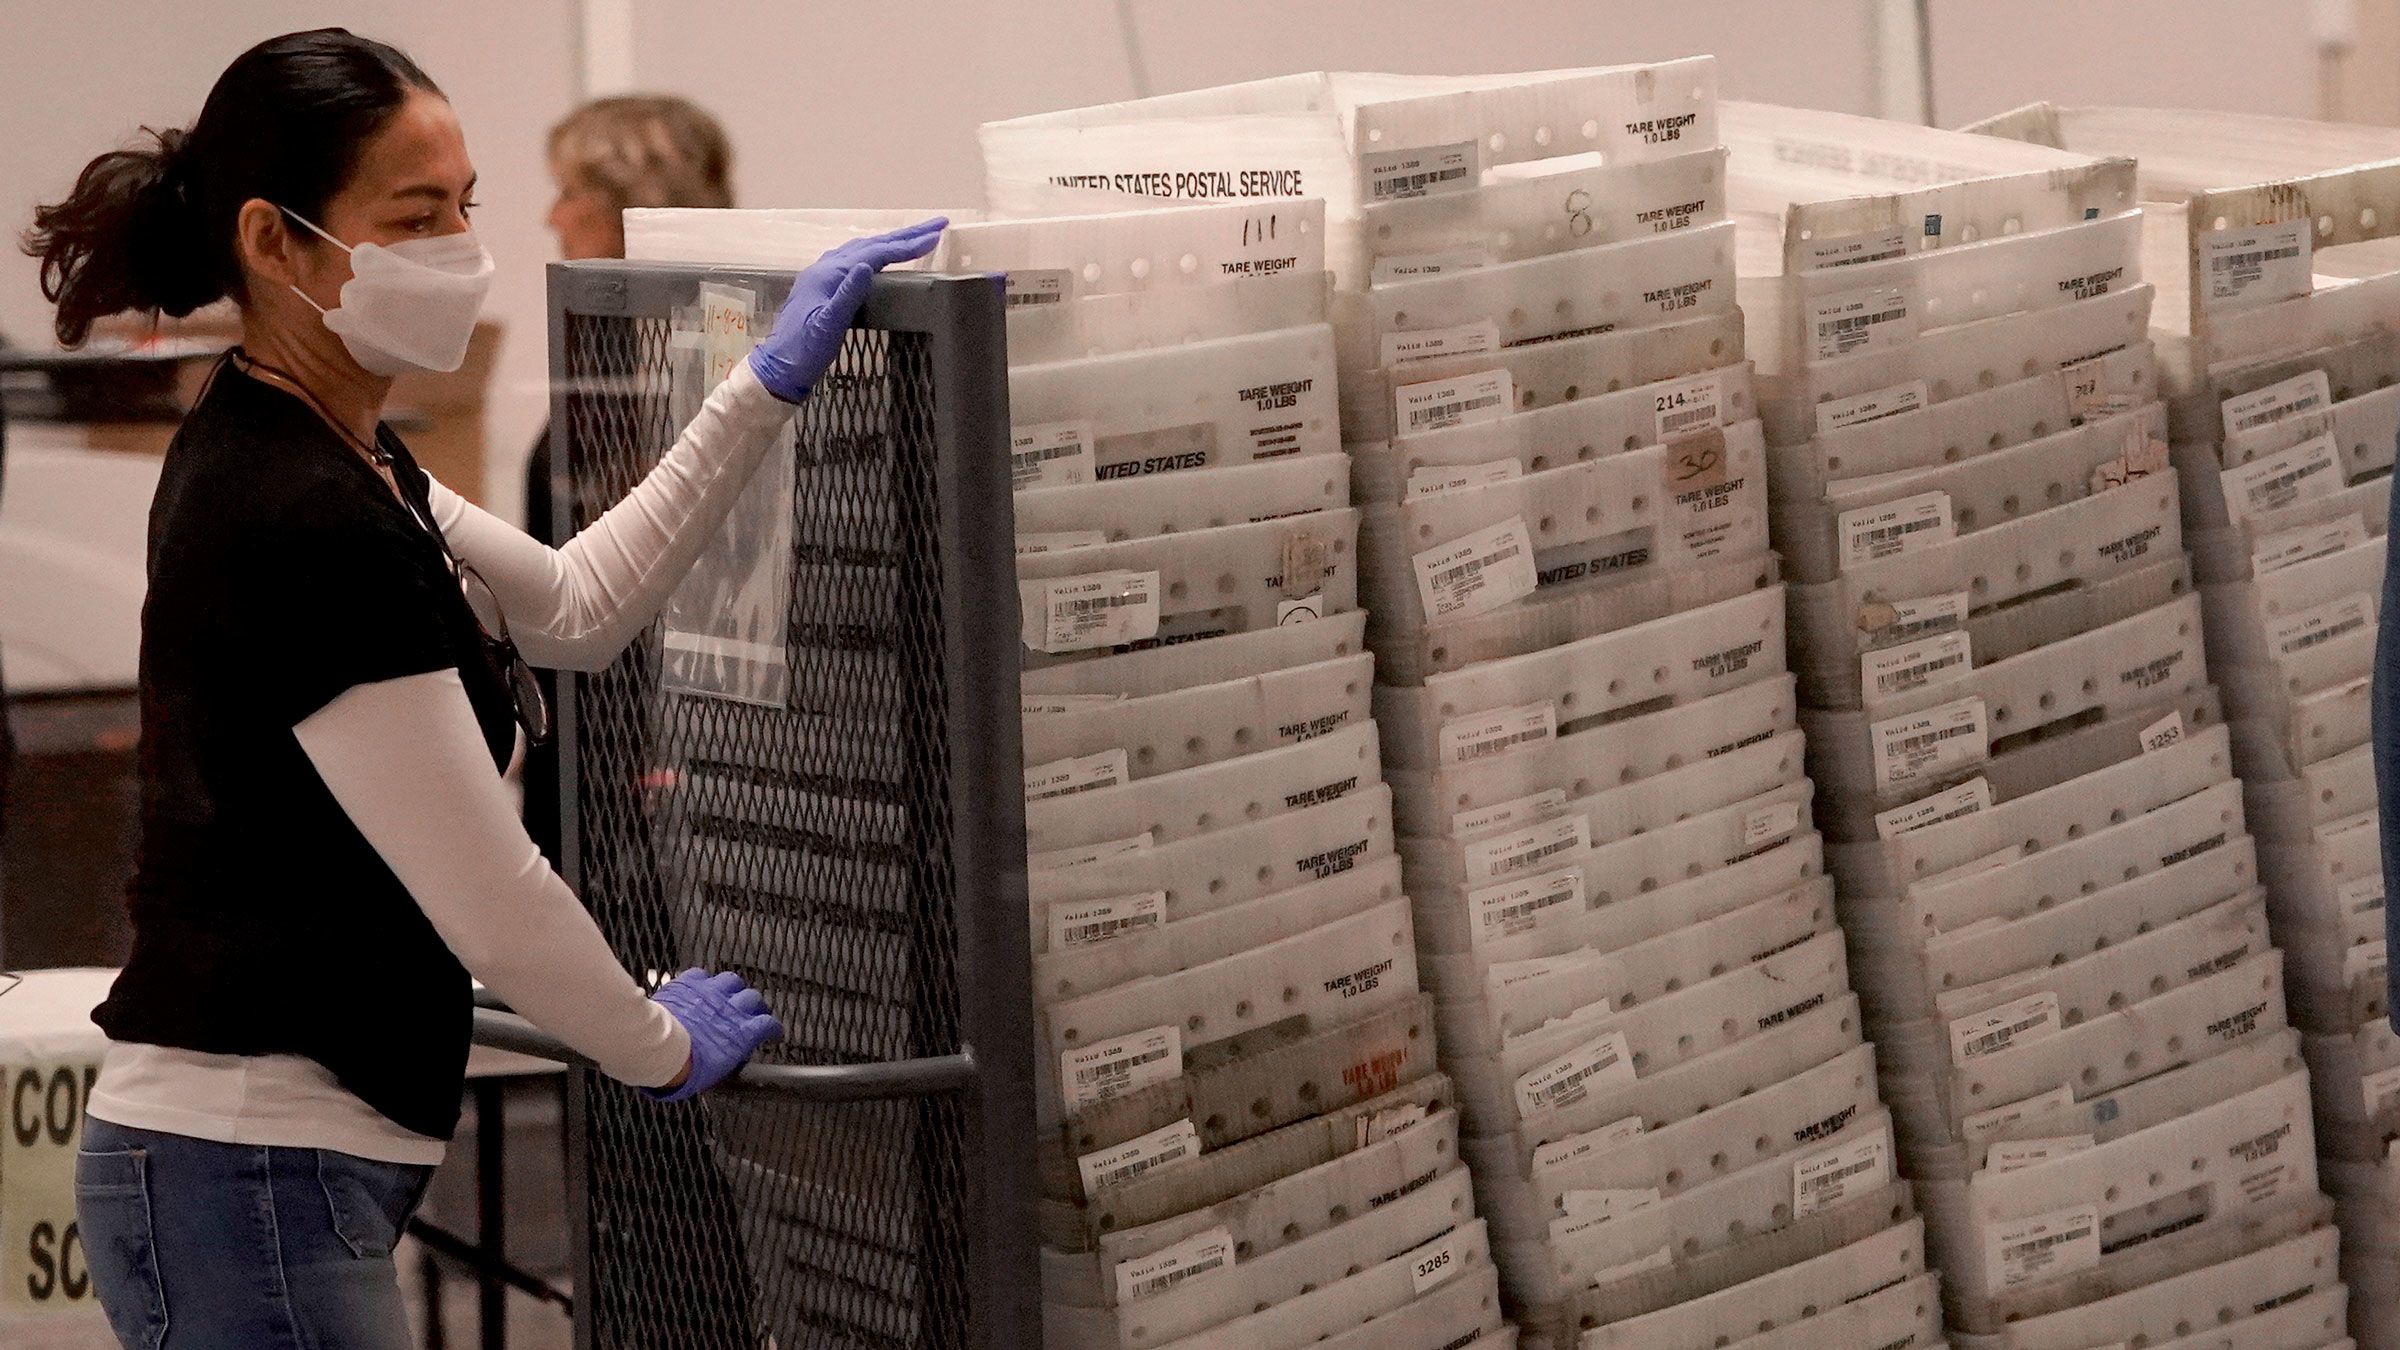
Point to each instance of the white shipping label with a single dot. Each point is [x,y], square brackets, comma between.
[1392,1120]
[1033,288]
[1859,321]
[1590,1144]
[2010,1154]
[2162,733]
[1875,404]
[1432,480]
[1485,570]
[1066,777]
[1918,746]
[1517,906]
[1080,854]
[2359,896]
[1984,1126]
[1112,1068]
[2257,265]
[1891,671]
[1049,454]
[1050,705]
[1584,1208]
[2307,472]
[1525,850]
[1141,1276]
[2024,1250]
[1087,923]
[2027,1020]
[1100,609]
[2381,1090]
[1437,1261]
[2363,958]
[1848,250]
[1480,736]
[1029,544]
[2302,394]
[1467,339]
[2282,549]
[1601,1063]
[1138,1157]
[1824,1180]
[1770,825]
[2320,624]
[2332,830]
[1414,266]
[1510,974]
[1888,623]
[1686,406]
[1460,401]
[1966,799]
[1894,529]
[2088,398]
[1520,811]
[1394,175]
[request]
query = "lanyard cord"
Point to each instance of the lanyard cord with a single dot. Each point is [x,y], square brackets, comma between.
[376,454]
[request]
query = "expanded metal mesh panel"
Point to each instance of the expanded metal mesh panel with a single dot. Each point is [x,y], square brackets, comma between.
[807,847]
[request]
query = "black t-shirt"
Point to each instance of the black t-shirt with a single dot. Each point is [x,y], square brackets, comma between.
[282,572]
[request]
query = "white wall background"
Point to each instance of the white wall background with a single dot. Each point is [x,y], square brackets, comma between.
[844,103]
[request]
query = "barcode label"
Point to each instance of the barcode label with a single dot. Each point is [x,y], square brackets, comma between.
[1460,401]
[1685,406]
[1050,705]
[2258,265]
[1434,480]
[2381,1090]
[2281,550]
[2332,831]
[2027,1020]
[1112,1068]
[1138,1157]
[1872,406]
[1770,825]
[1519,811]
[1824,1180]
[1849,250]
[2309,471]
[2311,392]
[1582,1211]
[1487,569]
[1590,1144]
[1917,746]
[1904,669]
[1417,266]
[1528,849]
[2046,1245]
[1049,454]
[1889,623]
[1099,609]
[1088,923]
[2363,958]
[1858,321]
[1893,529]
[1481,736]
[1467,339]
[1038,287]
[1081,855]
[1603,1062]
[2359,897]
[1142,1276]
[1436,1261]
[2314,627]
[1521,906]
[1393,175]
[1985,1126]
[1029,544]
[2010,1154]
[1956,803]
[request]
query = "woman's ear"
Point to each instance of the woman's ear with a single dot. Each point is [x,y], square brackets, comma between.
[264,242]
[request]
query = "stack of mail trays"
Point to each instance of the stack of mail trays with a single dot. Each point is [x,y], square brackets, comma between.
[2279,358]
[2038,841]
[1587,723]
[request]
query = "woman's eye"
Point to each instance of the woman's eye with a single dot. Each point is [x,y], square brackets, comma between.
[467,208]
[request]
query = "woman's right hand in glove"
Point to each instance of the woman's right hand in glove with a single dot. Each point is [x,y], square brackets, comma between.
[825,298]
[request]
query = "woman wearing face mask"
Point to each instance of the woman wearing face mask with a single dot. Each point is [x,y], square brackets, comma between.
[330,683]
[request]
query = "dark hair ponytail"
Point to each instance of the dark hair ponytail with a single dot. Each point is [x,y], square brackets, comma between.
[151,229]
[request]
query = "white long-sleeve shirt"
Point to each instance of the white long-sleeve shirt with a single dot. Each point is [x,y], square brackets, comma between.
[407,763]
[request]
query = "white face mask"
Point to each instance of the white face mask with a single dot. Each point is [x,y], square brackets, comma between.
[410,305]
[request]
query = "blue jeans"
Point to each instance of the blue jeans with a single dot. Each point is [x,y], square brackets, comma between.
[203,1246]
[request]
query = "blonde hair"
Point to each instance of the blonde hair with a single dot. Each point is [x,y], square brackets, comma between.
[645,150]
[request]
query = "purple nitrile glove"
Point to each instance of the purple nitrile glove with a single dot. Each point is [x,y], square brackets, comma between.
[727,1020]
[825,298]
